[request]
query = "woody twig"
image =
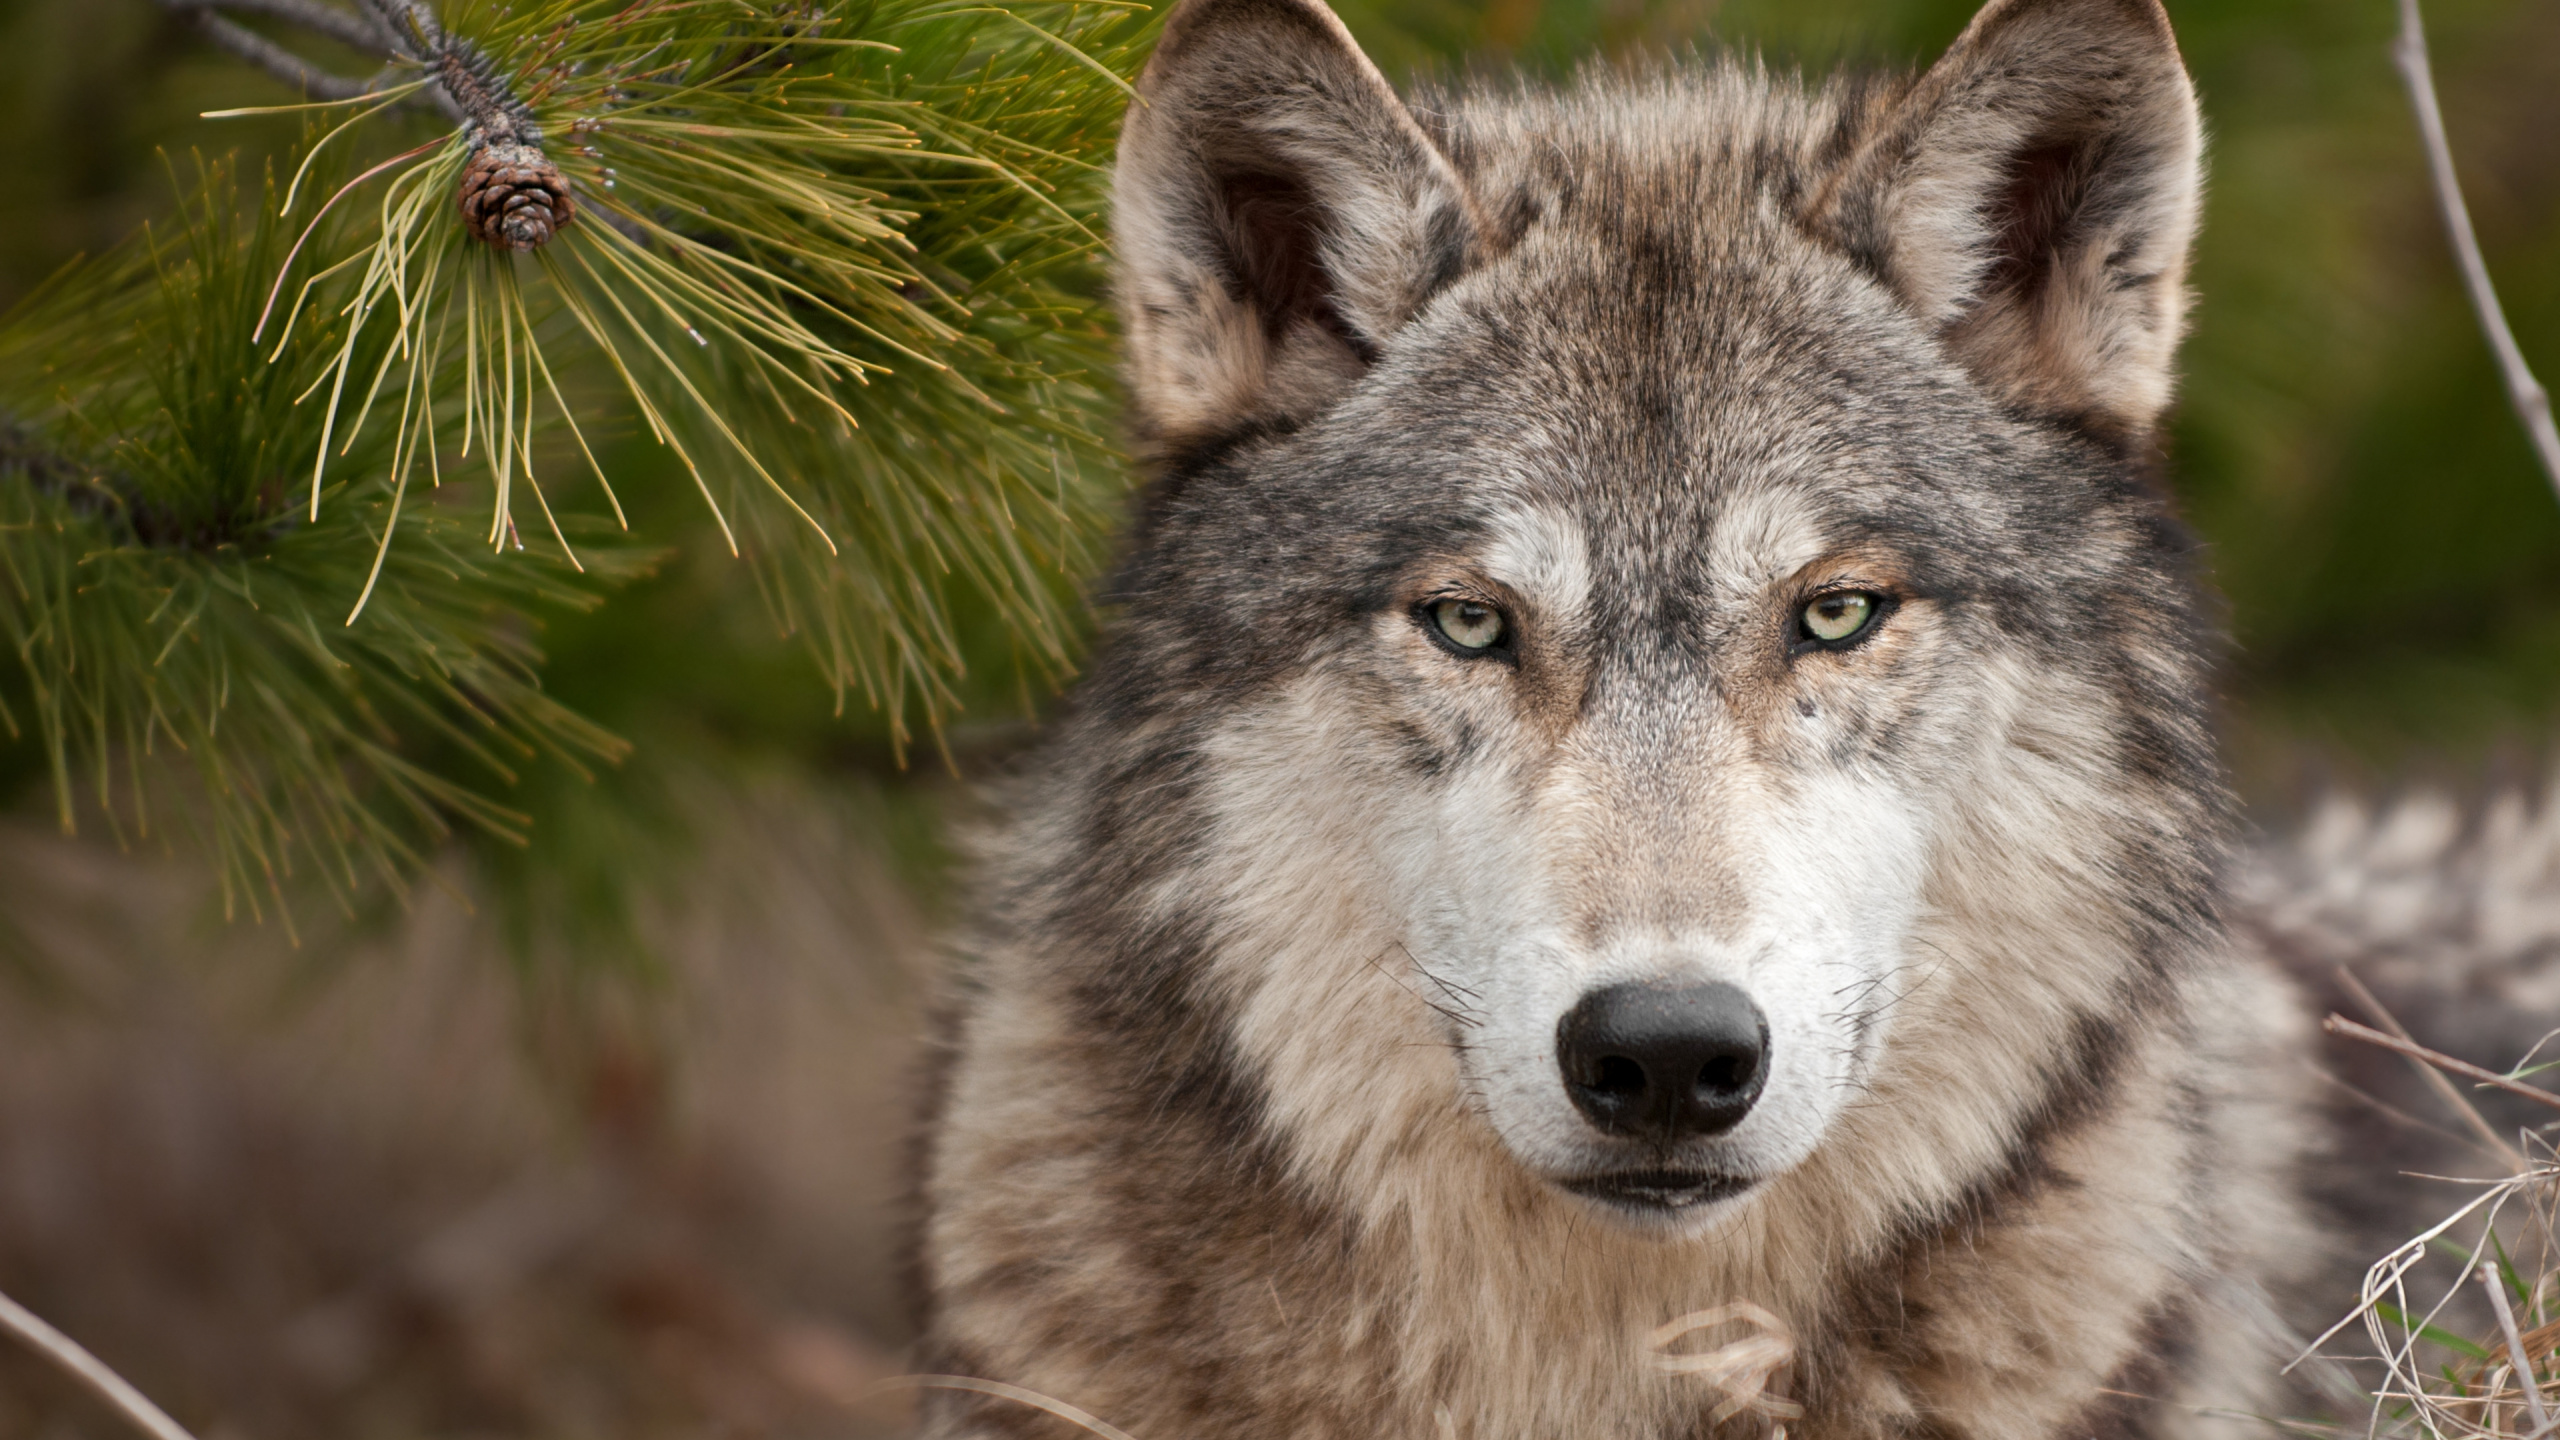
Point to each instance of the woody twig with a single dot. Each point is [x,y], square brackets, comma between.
[358,31]
[2341,1025]
[93,1375]
[2532,402]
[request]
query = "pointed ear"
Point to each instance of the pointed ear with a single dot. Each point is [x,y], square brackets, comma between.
[2033,196]
[1278,216]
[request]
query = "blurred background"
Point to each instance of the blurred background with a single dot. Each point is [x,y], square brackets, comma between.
[605,1135]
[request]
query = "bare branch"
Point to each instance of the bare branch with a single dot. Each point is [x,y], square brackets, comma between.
[370,31]
[2515,1345]
[273,58]
[2532,402]
[347,27]
[91,1372]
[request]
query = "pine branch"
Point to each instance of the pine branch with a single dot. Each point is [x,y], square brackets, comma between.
[470,89]
[411,23]
[52,472]
[167,599]
[2532,403]
[367,32]
[349,28]
[840,265]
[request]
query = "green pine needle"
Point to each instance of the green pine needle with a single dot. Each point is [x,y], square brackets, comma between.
[840,262]
[172,608]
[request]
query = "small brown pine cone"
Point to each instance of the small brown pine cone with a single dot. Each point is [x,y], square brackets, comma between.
[513,197]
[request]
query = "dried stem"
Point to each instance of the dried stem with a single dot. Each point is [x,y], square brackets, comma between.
[2444,1088]
[2532,402]
[92,1373]
[1014,1393]
[2515,1346]
[2341,1025]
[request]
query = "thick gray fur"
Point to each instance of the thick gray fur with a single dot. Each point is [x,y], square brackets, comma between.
[1252,1124]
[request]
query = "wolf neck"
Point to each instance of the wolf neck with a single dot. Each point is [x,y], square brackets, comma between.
[1225,1089]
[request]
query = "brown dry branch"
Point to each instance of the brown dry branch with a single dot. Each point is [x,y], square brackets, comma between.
[2531,401]
[89,1370]
[2341,1025]
[2445,1089]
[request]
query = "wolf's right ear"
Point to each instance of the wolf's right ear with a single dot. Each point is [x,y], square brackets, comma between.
[1278,215]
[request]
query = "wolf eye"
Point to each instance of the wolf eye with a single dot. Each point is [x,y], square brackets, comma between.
[1840,616]
[1468,625]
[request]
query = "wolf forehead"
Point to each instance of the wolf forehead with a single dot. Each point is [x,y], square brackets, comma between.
[1683,417]
[1723,320]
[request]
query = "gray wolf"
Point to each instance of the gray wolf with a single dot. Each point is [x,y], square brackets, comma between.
[1650,759]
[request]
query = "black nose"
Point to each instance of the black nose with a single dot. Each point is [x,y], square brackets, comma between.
[1664,1062]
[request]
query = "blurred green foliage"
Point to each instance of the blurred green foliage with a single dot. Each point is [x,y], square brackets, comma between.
[2342,442]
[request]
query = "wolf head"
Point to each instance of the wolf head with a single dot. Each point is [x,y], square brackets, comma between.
[1652,641]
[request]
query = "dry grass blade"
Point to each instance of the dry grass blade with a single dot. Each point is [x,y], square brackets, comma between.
[90,1371]
[2517,1355]
[1019,1396]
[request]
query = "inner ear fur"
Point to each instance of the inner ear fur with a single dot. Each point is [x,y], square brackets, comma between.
[1278,216]
[2033,196]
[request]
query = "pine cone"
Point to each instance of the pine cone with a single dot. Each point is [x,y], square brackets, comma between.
[513,197]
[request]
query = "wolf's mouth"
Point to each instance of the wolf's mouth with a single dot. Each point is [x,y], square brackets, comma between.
[1659,1191]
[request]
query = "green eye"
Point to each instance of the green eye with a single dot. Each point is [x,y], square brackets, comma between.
[1839,616]
[1468,625]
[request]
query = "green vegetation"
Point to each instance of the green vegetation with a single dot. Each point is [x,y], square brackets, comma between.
[298,477]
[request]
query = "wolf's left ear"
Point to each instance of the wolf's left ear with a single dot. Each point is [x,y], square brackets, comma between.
[2033,196]
[1278,214]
